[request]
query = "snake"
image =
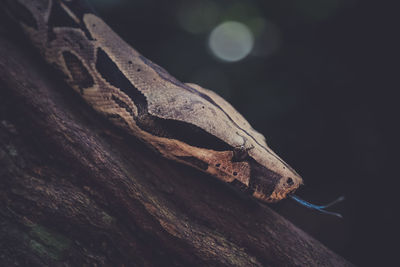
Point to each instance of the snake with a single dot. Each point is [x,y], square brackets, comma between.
[183,122]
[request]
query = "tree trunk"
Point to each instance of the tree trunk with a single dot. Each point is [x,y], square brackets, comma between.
[75,190]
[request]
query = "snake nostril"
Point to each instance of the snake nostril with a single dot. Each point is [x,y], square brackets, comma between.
[289,181]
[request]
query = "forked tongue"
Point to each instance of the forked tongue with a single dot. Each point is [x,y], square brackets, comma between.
[320,208]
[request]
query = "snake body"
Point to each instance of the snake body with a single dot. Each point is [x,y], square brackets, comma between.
[183,122]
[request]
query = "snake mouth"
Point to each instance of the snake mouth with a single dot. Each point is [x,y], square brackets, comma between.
[277,195]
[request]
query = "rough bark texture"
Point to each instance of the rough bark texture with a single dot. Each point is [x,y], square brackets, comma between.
[75,190]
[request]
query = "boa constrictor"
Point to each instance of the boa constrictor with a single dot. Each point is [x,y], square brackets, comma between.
[183,122]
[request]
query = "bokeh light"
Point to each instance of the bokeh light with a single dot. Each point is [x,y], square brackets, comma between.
[231,41]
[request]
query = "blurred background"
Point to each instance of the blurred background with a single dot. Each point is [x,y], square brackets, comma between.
[313,76]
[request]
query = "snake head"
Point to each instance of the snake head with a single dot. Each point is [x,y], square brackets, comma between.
[223,144]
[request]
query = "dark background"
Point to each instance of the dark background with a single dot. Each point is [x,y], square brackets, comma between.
[318,86]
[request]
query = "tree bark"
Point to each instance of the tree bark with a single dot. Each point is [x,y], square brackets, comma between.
[75,190]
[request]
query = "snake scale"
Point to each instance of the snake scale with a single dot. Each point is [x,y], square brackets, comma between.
[183,122]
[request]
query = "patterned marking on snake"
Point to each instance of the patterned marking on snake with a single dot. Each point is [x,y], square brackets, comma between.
[78,71]
[183,122]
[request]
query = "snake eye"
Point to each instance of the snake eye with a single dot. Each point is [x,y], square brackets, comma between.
[289,181]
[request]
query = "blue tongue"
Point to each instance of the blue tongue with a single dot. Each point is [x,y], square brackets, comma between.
[320,208]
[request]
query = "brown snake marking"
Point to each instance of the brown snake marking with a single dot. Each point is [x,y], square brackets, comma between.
[184,122]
